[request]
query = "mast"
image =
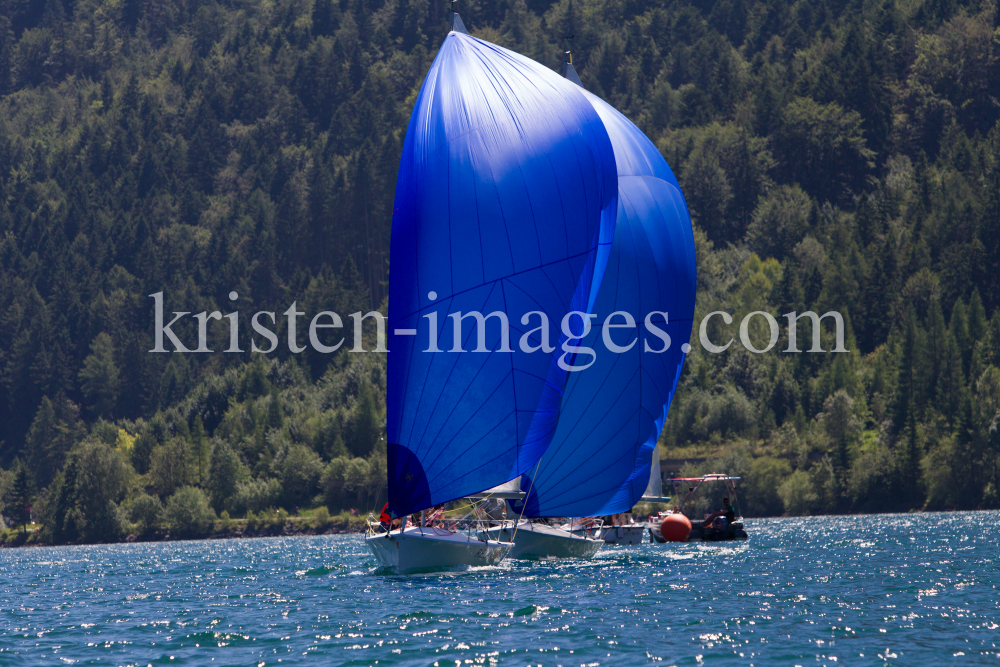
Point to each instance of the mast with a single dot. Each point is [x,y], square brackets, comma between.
[568,71]
[456,20]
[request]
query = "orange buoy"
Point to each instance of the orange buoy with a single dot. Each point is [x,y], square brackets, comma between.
[675,528]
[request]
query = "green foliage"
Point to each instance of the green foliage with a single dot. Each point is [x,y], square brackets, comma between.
[188,513]
[200,449]
[253,495]
[171,466]
[757,490]
[321,519]
[269,521]
[780,222]
[145,511]
[20,495]
[872,485]
[704,416]
[842,160]
[798,493]
[364,429]
[823,148]
[345,521]
[99,377]
[225,474]
[298,470]
[6,481]
[54,431]
[352,482]
[83,500]
[761,489]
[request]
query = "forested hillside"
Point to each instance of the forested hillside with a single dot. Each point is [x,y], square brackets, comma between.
[835,156]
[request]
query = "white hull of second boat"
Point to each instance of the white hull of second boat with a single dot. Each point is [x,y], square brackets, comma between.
[424,549]
[631,534]
[535,541]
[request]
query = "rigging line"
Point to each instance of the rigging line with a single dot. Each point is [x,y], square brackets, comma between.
[472,504]
[451,371]
[554,262]
[430,463]
[379,493]
[556,480]
[524,505]
[417,413]
[466,450]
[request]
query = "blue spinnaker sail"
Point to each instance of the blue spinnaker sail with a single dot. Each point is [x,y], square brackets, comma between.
[507,189]
[612,413]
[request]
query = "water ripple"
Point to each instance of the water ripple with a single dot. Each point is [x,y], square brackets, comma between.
[911,589]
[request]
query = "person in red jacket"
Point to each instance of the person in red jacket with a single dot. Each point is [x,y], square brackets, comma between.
[386,521]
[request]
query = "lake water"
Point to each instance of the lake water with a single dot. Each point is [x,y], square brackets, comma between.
[908,590]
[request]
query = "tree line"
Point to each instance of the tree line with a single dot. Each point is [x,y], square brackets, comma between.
[835,155]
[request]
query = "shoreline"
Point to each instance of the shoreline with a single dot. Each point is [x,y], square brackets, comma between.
[11,541]
[290,530]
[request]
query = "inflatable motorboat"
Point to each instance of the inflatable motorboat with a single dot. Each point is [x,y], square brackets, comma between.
[721,526]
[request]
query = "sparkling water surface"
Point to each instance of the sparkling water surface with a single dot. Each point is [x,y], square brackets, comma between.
[888,589]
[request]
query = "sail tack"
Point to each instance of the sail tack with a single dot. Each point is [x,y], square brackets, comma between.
[613,412]
[507,190]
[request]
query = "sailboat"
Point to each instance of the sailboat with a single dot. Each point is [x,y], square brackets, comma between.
[536,540]
[505,207]
[600,460]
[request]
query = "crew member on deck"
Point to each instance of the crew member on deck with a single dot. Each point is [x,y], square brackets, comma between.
[387,522]
[436,514]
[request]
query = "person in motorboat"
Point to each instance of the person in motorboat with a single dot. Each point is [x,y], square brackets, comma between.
[727,512]
[719,520]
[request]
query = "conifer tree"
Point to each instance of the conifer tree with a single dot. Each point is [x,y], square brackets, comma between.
[99,378]
[911,376]
[912,488]
[200,448]
[275,415]
[42,433]
[936,343]
[951,389]
[977,318]
[20,496]
[959,328]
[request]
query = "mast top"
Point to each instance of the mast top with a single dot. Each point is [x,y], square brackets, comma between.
[456,20]
[568,71]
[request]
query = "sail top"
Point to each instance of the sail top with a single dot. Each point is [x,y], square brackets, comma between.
[506,192]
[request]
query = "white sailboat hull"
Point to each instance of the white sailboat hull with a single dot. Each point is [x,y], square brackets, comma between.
[631,534]
[425,549]
[535,541]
